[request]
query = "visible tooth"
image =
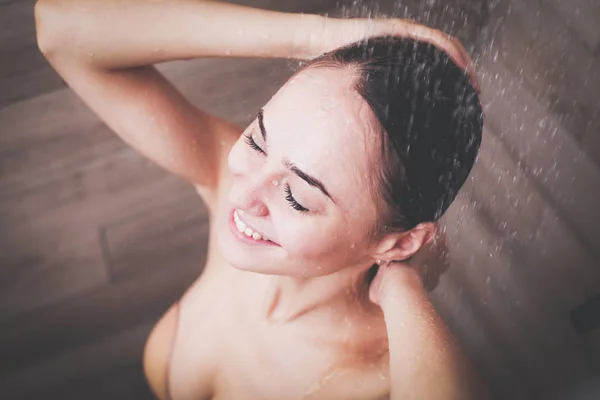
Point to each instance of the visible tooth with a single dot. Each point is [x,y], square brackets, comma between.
[243,228]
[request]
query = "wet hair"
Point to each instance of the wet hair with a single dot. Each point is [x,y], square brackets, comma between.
[430,121]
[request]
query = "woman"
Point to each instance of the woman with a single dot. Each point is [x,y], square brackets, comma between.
[345,169]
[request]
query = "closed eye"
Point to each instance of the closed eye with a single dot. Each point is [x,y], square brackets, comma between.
[290,198]
[288,191]
[250,142]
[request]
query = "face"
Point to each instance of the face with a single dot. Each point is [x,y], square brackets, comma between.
[300,176]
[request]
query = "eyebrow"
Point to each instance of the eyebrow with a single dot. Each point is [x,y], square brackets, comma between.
[311,180]
[261,124]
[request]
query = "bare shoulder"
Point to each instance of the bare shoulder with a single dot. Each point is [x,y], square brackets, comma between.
[424,350]
[157,352]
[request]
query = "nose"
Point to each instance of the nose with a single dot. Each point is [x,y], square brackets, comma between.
[248,198]
[249,192]
[251,175]
[249,195]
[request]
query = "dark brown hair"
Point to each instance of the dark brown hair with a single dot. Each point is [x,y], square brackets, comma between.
[430,119]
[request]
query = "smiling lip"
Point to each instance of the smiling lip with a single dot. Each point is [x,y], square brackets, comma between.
[243,238]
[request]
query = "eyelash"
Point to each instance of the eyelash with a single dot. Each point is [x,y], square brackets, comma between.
[288,191]
[295,205]
[250,142]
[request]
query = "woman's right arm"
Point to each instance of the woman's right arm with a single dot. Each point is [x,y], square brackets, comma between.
[105,50]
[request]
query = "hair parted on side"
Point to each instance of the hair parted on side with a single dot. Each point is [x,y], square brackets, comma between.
[431,122]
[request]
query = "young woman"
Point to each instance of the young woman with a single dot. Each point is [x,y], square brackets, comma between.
[345,169]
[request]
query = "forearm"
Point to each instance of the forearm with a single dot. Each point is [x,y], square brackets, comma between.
[425,361]
[119,34]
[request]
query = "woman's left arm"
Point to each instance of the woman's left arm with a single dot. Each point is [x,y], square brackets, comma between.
[425,360]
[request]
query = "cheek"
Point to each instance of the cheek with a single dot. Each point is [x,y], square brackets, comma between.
[313,238]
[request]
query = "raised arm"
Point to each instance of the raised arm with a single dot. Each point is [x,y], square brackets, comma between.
[105,50]
[425,360]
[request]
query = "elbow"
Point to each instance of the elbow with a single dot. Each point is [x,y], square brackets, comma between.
[51,27]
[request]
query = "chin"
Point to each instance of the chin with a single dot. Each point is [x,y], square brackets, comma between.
[244,264]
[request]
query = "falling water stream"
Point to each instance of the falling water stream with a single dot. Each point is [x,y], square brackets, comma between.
[522,240]
[515,263]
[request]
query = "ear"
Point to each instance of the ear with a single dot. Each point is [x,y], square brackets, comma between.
[403,245]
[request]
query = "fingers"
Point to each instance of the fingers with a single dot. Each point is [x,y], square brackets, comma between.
[374,288]
[450,45]
[391,282]
[455,50]
[390,278]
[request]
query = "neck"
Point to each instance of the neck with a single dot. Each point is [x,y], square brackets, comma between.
[290,298]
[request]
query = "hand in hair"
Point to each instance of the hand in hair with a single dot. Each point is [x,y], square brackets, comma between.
[357,29]
[449,44]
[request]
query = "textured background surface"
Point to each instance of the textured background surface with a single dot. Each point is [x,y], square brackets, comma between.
[96,242]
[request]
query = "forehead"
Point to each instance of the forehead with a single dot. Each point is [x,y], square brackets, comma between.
[324,126]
